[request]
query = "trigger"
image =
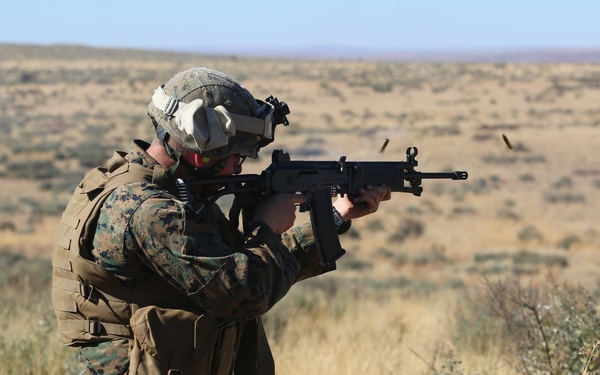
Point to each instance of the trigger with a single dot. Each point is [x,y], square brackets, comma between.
[304,207]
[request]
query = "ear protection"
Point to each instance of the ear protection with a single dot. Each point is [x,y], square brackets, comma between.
[198,161]
[199,165]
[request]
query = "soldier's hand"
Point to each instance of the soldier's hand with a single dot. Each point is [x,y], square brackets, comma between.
[366,203]
[279,211]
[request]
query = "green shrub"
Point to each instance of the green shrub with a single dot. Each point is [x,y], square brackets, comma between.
[568,241]
[434,256]
[32,169]
[375,225]
[564,198]
[409,228]
[530,233]
[546,326]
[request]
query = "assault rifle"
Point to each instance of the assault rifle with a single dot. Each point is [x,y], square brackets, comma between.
[319,181]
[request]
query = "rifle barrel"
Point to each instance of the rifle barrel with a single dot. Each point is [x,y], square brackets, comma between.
[223,180]
[456,175]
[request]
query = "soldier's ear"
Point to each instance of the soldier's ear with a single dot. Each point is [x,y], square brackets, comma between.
[197,160]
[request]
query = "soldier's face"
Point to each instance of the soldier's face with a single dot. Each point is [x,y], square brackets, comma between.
[233,166]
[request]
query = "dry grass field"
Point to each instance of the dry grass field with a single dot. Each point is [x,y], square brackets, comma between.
[410,295]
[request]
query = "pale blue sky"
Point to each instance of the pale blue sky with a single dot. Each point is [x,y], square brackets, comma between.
[398,25]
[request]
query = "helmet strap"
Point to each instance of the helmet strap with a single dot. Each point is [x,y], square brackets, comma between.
[175,155]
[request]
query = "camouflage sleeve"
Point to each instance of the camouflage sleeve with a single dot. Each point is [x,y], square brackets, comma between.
[110,357]
[301,242]
[234,282]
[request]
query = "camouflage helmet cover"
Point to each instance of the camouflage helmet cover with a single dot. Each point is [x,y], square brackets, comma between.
[214,89]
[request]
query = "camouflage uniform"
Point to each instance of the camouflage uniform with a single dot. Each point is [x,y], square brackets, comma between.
[229,276]
[142,284]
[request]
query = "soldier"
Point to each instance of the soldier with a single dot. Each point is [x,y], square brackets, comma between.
[143,286]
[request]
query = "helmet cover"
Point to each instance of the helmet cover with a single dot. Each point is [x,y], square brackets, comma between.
[214,90]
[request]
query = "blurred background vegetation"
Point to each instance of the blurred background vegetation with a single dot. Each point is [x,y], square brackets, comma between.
[493,275]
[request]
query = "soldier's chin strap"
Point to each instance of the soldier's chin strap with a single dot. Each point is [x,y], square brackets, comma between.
[176,156]
[163,136]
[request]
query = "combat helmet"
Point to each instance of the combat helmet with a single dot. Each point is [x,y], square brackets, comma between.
[210,113]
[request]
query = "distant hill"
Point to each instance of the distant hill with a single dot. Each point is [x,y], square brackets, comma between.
[59,51]
[591,55]
[492,55]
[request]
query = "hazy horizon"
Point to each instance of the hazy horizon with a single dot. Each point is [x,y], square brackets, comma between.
[376,26]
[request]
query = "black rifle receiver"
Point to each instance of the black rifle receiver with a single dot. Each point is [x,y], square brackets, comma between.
[319,181]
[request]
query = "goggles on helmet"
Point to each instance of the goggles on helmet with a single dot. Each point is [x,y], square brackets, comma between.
[218,124]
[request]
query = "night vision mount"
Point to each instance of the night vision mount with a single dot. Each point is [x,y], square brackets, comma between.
[281,110]
[279,116]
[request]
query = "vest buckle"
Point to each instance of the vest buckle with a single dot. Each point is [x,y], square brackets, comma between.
[94,327]
[86,290]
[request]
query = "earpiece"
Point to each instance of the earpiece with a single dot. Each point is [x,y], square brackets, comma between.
[199,161]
